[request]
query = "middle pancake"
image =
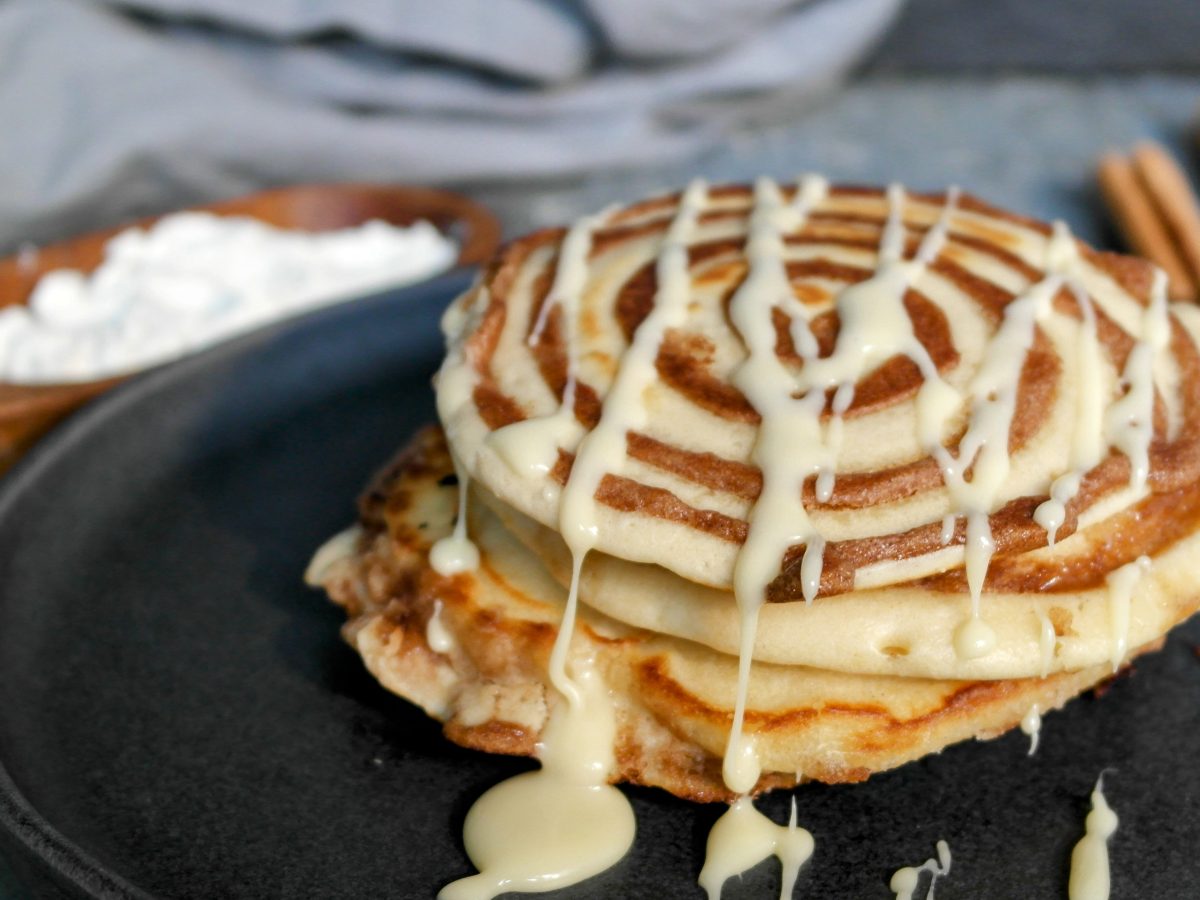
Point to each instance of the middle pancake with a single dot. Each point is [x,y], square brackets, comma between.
[905,630]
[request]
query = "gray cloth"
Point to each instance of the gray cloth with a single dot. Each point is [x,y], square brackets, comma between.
[113,115]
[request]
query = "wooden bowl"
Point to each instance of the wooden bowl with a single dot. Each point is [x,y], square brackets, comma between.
[28,411]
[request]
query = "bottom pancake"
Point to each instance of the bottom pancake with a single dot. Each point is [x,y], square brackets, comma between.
[473,651]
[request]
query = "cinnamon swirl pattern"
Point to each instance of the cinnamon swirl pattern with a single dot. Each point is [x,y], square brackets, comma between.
[930,398]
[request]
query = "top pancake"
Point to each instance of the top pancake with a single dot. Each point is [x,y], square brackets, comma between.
[682,495]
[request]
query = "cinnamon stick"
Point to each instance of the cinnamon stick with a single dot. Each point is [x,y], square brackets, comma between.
[1140,225]
[1156,210]
[1176,201]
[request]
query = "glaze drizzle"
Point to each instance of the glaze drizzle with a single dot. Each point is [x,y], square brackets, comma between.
[798,439]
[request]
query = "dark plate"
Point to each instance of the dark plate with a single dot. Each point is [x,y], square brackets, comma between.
[178,716]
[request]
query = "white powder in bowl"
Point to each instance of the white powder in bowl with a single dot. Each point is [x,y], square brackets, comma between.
[193,279]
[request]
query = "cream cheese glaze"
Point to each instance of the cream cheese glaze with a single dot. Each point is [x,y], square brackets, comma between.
[791,446]
[1121,584]
[1031,725]
[1090,874]
[560,824]
[584,825]
[905,881]
[437,636]
[455,552]
[533,443]
[744,837]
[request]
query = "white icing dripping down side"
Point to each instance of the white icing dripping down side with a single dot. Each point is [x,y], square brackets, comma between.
[563,823]
[1087,444]
[602,450]
[555,826]
[789,447]
[1129,423]
[456,382]
[1031,725]
[905,881]
[1089,860]
[532,445]
[744,837]
[455,552]
[792,444]
[983,450]
[1047,642]
[948,525]
[1121,584]
[437,636]
[874,325]
[570,276]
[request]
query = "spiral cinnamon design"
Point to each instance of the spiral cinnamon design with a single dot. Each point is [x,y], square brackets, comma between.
[684,490]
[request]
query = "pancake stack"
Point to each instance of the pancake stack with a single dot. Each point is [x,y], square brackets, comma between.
[824,479]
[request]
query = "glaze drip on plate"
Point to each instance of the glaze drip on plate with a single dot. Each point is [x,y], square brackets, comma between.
[744,837]
[1031,725]
[1089,860]
[905,882]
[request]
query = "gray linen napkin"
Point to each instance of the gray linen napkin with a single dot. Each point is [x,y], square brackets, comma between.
[123,107]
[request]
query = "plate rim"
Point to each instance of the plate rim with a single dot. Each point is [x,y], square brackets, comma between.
[33,833]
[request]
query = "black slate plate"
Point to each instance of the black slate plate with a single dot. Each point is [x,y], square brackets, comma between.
[178,717]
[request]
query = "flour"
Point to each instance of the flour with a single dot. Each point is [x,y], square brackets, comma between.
[193,279]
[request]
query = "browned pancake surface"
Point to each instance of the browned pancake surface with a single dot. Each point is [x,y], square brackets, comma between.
[674,698]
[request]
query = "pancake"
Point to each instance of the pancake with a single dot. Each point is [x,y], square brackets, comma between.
[764,485]
[493,628]
[900,631]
